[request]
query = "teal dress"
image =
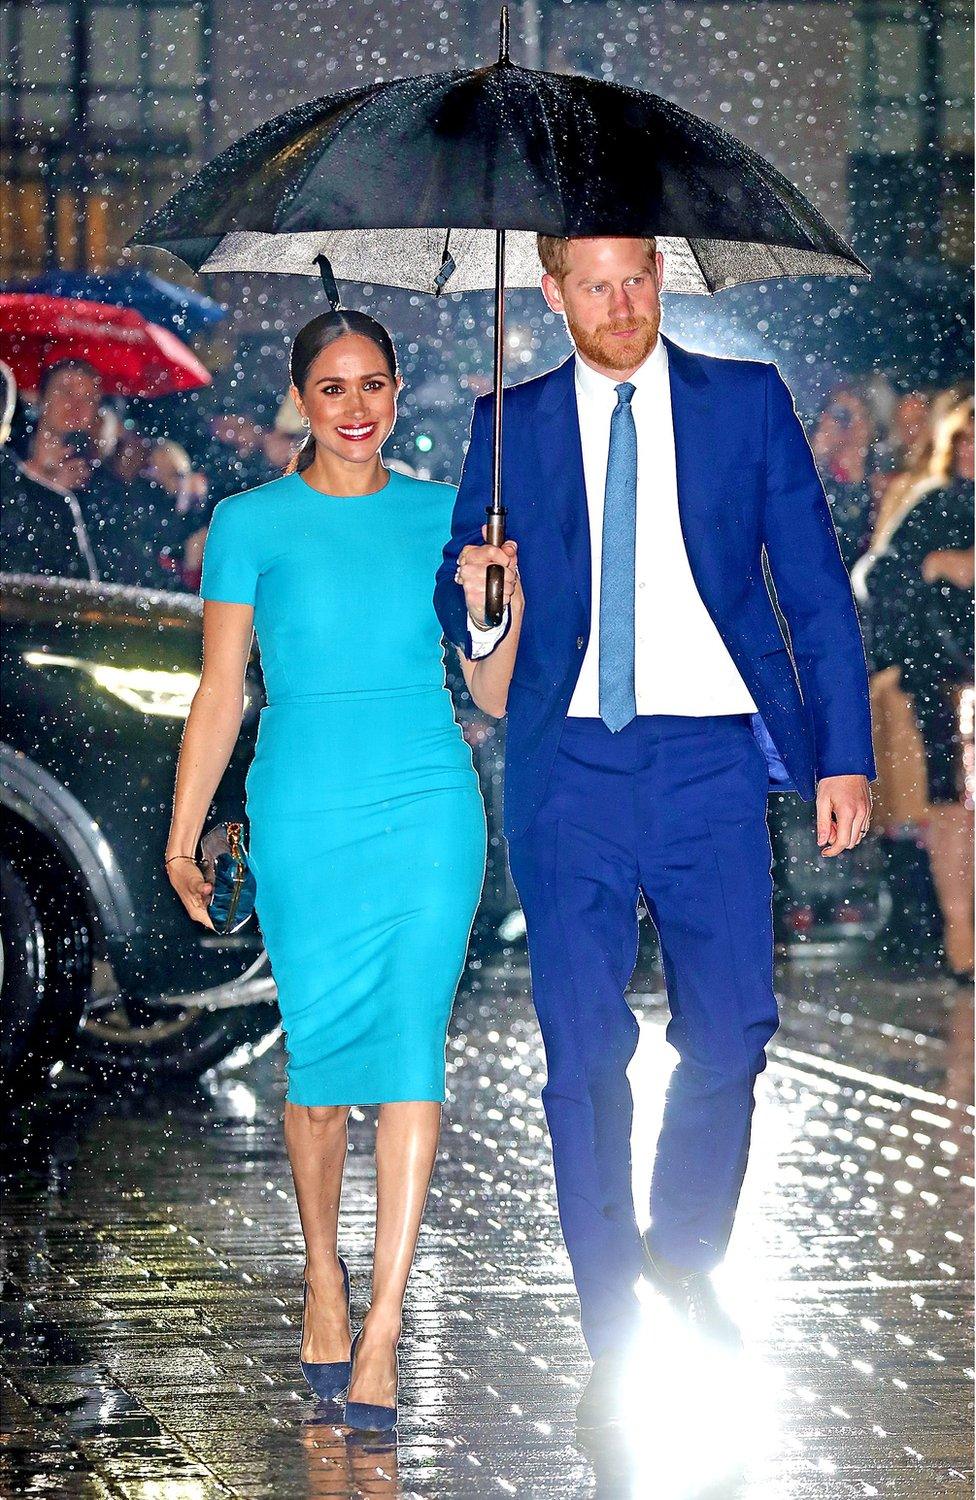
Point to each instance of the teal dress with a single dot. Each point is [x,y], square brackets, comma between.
[367,826]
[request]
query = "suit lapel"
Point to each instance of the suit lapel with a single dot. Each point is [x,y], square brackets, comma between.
[560,457]
[692,420]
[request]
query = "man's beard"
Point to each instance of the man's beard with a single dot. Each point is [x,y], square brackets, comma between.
[600,347]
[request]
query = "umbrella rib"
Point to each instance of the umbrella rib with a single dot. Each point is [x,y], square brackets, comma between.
[553,154]
[776,183]
[292,191]
[348,116]
[697,259]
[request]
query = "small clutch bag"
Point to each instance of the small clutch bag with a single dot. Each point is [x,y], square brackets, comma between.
[225,863]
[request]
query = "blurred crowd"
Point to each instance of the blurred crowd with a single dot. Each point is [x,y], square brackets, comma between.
[898,471]
[89,492]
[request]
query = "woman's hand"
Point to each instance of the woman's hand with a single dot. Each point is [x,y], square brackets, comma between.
[472,566]
[517,600]
[187,880]
[954,566]
[488,677]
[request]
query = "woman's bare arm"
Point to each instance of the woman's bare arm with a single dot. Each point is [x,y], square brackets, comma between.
[209,737]
[488,677]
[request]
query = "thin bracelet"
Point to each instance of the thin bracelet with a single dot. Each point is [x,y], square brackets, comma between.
[171,858]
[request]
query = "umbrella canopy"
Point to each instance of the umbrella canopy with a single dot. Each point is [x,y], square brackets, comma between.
[443,181]
[178,308]
[404,183]
[132,356]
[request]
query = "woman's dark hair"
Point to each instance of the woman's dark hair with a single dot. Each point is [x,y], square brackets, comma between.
[318,335]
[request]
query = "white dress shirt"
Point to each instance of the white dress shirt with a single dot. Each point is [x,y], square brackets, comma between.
[681,663]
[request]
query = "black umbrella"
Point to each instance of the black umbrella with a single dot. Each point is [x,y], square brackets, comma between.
[444,180]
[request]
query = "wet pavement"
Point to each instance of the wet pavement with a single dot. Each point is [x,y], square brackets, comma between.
[152,1276]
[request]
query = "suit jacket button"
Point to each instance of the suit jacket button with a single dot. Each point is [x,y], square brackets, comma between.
[579,643]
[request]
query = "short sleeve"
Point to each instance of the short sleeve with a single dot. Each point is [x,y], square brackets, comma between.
[230,569]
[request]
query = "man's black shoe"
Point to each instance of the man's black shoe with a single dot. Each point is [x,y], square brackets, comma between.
[692,1295]
[599,1405]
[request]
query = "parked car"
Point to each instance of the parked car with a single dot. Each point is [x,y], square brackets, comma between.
[96,951]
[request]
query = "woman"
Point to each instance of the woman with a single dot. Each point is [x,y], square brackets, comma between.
[842,442]
[918,578]
[366,821]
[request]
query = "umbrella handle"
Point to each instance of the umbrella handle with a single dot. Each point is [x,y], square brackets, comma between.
[495,573]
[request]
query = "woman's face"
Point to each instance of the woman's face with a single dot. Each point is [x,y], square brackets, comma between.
[349,399]
[844,424]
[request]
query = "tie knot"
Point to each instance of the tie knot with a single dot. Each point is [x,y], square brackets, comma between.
[624,392]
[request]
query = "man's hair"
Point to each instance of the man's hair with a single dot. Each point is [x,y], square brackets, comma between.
[554,252]
[50,371]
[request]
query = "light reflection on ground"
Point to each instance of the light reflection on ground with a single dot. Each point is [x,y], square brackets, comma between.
[153,1270]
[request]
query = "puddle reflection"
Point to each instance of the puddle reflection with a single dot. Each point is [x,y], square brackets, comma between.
[343,1464]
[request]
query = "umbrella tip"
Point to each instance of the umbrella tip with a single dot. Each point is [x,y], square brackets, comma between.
[503,35]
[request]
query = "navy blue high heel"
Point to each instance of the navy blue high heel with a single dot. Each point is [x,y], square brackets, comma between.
[327,1380]
[362,1416]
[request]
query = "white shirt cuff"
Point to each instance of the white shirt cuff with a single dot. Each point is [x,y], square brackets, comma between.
[484,641]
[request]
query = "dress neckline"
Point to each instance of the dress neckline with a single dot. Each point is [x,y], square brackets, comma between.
[326,495]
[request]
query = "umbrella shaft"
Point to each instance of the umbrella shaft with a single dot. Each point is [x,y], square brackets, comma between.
[495,530]
[496,444]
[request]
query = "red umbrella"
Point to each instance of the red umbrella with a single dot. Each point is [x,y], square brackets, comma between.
[133,356]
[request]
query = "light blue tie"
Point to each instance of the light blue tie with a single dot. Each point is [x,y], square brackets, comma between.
[618,704]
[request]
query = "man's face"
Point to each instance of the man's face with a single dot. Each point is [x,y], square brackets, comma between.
[71,401]
[610,298]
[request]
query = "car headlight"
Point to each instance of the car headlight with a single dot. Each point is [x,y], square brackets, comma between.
[145,689]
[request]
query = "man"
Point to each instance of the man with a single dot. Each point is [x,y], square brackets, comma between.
[135,534]
[41,526]
[652,704]
[69,411]
[64,451]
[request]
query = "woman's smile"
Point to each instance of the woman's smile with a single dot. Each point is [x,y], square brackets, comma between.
[359,433]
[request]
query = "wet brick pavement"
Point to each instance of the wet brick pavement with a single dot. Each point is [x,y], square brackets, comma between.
[152,1273]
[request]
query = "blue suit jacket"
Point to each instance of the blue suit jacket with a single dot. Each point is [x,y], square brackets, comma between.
[747,484]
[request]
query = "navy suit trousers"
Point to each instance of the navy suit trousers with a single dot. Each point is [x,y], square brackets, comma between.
[673,807]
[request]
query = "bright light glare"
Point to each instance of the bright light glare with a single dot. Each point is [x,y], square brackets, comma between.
[693,1414]
[167,694]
